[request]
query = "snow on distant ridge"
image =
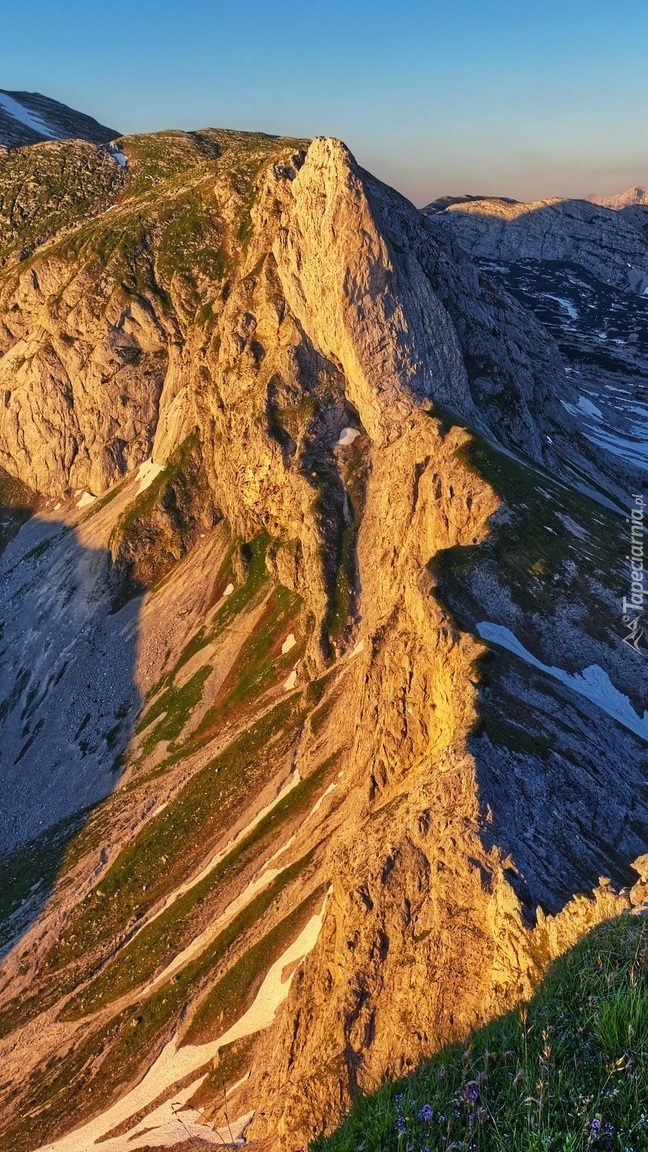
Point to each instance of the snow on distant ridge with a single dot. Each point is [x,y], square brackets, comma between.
[23,115]
[593,682]
[30,117]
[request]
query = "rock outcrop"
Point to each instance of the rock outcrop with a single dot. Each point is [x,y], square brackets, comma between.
[326,446]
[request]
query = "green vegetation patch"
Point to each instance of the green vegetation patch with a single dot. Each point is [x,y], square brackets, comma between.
[338,533]
[164,522]
[172,843]
[343,591]
[261,663]
[51,186]
[566,1073]
[29,873]
[236,990]
[253,554]
[155,946]
[175,706]
[118,1051]
[231,1064]
[551,532]
[47,1114]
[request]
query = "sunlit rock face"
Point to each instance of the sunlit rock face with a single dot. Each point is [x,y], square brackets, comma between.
[322,565]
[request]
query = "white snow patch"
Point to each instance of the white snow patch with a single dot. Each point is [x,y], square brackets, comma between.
[228,591]
[356,651]
[293,780]
[572,527]
[146,474]
[86,498]
[234,1133]
[566,304]
[631,445]
[120,158]
[318,804]
[175,1064]
[23,115]
[593,682]
[288,643]
[635,451]
[347,436]
[291,681]
[586,405]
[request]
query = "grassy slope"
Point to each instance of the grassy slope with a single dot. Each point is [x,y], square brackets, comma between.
[46,187]
[566,1073]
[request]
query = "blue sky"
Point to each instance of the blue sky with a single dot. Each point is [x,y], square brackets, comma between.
[512,98]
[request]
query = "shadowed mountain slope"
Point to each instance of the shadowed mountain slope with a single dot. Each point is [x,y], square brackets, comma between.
[29,118]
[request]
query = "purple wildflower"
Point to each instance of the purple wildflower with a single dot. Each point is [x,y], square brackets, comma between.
[426,1113]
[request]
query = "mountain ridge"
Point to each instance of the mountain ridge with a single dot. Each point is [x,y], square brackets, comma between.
[31,118]
[291,445]
[632,197]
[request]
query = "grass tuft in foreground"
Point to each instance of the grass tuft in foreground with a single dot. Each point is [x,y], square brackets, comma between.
[567,1072]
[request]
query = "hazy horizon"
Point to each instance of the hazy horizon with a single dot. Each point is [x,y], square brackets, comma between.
[522,103]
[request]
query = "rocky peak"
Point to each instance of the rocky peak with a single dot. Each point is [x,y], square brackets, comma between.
[309,702]
[632,197]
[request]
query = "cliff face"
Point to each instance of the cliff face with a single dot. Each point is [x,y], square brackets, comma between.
[292,450]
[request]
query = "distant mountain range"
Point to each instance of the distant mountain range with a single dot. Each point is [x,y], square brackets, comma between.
[628,199]
[29,118]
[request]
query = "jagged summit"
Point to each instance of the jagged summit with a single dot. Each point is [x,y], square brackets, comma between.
[319,722]
[631,198]
[30,118]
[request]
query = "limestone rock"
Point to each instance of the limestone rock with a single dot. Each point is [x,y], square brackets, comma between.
[329,445]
